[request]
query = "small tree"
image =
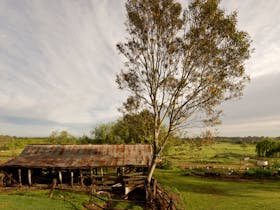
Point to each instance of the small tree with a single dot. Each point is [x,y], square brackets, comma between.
[268,148]
[62,137]
[104,134]
[180,64]
[135,128]
[131,128]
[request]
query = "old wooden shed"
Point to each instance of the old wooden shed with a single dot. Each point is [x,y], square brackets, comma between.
[104,166]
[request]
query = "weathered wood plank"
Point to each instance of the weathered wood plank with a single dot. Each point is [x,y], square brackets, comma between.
[135,182]
[107,182]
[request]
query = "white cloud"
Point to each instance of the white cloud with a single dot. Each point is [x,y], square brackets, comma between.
[59,60]
[262,21]
[58,63]
[257,127]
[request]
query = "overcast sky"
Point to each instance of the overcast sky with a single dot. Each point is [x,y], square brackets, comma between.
[58,63]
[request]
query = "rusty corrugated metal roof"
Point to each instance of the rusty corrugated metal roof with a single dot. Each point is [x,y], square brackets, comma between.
[82,156]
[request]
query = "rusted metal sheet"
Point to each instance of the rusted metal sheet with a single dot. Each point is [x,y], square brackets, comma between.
[82,156]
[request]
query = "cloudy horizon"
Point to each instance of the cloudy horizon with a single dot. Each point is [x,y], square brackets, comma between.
[58,63]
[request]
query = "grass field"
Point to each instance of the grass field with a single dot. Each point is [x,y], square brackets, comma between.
[13,147]
[39,200]
[218,154]
[193,193]
[209,194]
[62,200]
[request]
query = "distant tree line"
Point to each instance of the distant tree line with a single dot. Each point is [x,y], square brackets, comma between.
[245,139]
[135,129]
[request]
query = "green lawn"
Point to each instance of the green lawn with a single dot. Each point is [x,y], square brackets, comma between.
[62,200]
[202,193]
[25,199]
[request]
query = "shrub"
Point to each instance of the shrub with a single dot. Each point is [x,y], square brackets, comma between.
[259,173]
[164,164]
[268,148]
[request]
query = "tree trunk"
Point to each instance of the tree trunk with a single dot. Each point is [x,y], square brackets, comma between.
[152,169]
[155,152]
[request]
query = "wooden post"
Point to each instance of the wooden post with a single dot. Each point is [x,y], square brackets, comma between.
[60,176]
[92,192]
[171,204]
[154,188]
[91,195]
[54,181]
[91,175]
[93,186]
[19,177]
[29,177]
[82,178]
[109,202]
[71,178]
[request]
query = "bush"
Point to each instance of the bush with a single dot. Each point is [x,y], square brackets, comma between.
[259,173]
[187,172]
[164,164]
[14,144]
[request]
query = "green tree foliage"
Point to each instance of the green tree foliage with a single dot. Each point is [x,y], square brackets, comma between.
[85,140]
[5,142]
[180,64]
[268,148]
[62,137]
[131,128]
[11,142]
[135,128]
[104,134]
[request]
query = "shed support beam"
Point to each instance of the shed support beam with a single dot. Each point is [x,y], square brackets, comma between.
[60,176]
[91,175]
[29,177]
[19,177]
[71,178]
[82,178]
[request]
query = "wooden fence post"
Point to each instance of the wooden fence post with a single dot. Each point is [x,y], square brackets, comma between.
[154,188]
